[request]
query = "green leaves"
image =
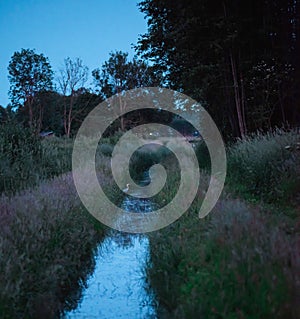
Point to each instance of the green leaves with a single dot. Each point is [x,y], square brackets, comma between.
[119,73]
[29,73]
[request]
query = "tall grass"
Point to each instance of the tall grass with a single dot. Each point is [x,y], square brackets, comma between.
[46,243]
[233,264]
[266,166]
[241,261]
[47,239]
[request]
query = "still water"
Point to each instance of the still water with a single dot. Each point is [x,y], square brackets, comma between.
[118,288]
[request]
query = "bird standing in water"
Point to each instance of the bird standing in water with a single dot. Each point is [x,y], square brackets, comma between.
[125,190]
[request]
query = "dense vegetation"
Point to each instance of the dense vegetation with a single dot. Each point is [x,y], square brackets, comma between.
[25,159]
[47,238]
[239,59]
[242,261]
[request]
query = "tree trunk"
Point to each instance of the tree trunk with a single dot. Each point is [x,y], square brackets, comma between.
[69,120]
[230,112]
[243,103]
[30,111]
[237,97]
[122,106]
[65,115]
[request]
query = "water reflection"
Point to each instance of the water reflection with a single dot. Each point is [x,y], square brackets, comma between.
[118,288]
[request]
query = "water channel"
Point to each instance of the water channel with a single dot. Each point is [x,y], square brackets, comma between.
[118,287]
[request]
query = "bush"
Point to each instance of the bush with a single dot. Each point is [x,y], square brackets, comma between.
[57,156]
[147,156]
[203,157]
[106,149]
[20,155]
[25,159]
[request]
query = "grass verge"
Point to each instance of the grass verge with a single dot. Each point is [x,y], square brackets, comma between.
[47,241]
[242,260]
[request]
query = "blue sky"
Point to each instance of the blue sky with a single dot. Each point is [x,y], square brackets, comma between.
[88,29]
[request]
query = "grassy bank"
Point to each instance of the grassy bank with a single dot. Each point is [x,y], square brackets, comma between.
[266,167]
[47,238]
[46,246]
[242,260]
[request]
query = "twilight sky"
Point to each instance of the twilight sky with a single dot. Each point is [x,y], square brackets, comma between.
[89,29]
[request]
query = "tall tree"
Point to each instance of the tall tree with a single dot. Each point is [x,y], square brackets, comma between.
[72,77]
[49,104]
[211,50]
[119,74]
[29,74]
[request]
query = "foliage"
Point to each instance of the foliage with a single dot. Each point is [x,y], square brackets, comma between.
[203,157]
[210,49]
[25,160]
[29,73]
[21,152]
[145,157]
[47,106]
[106,149]
[118,73]
[240,261]
[265,82]
[182,126]
[6,114]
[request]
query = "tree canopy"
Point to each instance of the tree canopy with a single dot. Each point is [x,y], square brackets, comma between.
[29,73]
[119,73]
[238,59]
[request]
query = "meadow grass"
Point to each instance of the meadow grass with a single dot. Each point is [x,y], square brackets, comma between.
[47,238]
[241,261]
[266,166]
[47,241]
[236,263]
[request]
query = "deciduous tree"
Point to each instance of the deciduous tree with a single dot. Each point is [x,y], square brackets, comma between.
[118,74]
[29,74]
[72,77]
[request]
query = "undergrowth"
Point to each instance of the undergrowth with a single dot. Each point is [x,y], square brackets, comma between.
[26,160]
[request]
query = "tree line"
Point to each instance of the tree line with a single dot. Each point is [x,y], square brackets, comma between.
[239,60]
[42,101]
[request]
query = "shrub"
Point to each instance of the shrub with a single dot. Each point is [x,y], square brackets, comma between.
[203,157]
[26,160]
[147,156]
[57,156]
[106,149]
[20,155]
